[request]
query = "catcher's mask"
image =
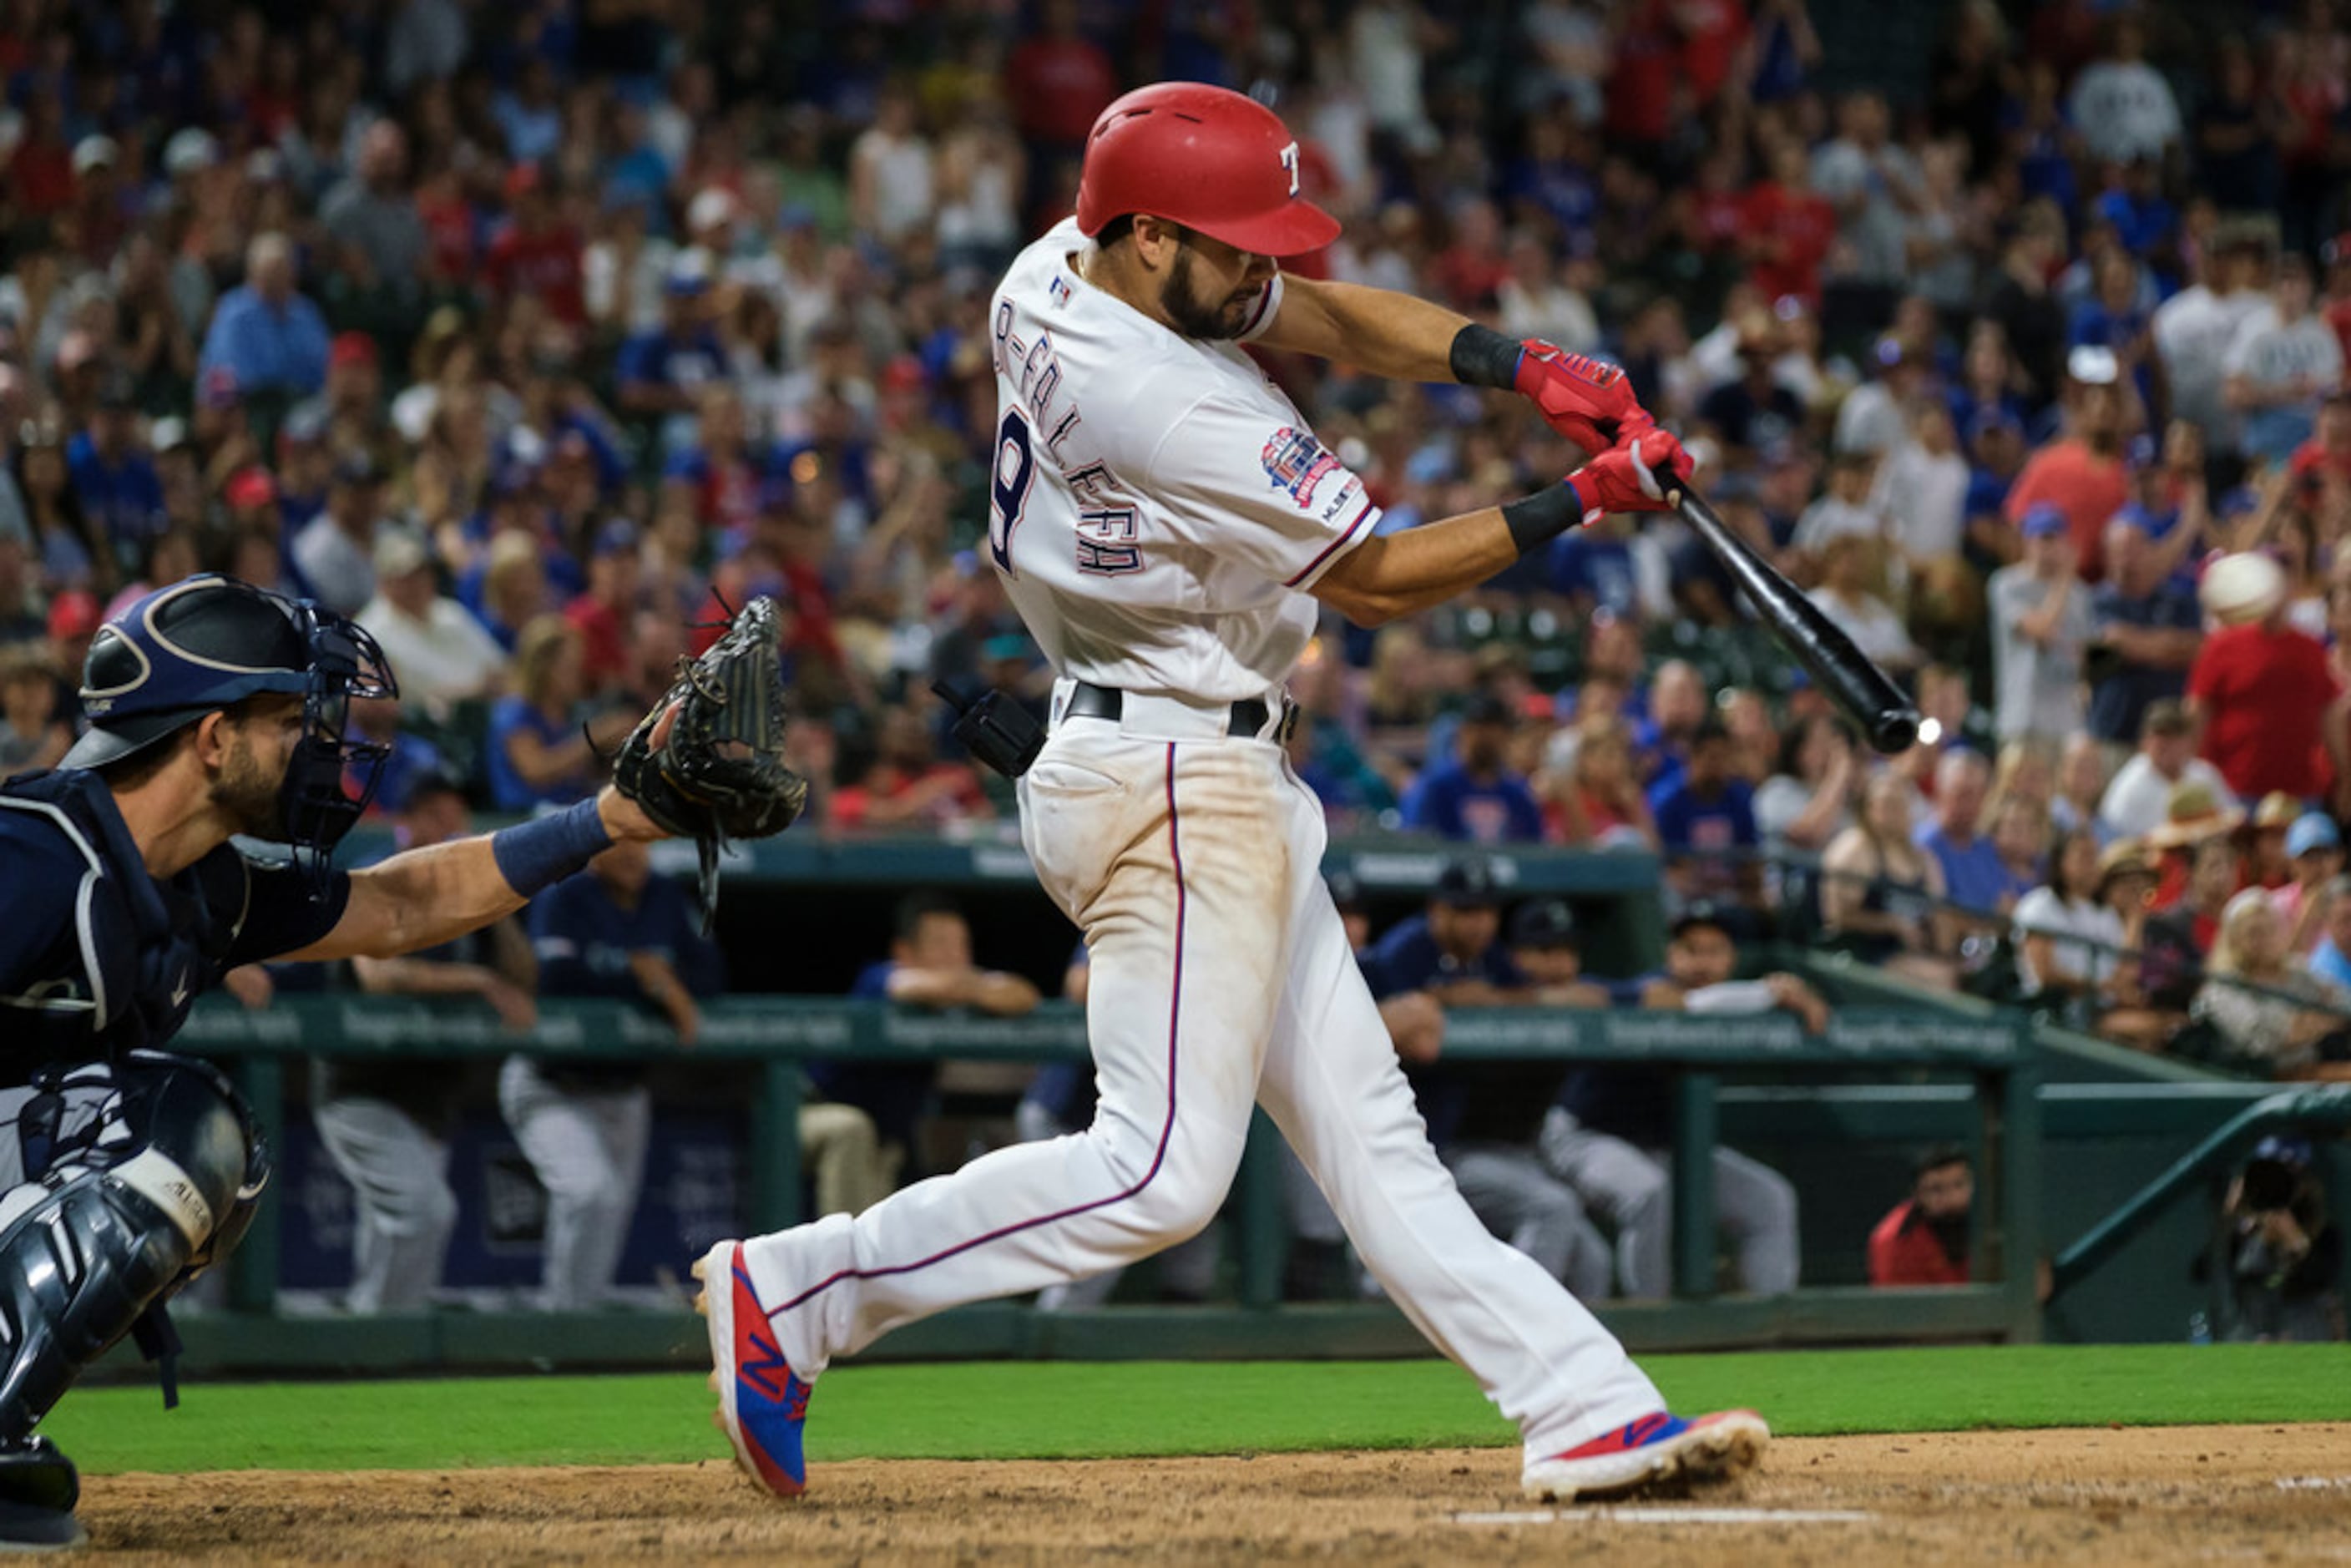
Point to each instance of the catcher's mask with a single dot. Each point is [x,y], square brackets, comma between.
[207,643]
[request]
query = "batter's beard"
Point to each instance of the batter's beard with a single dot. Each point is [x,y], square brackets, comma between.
[1190,316]
[250,798]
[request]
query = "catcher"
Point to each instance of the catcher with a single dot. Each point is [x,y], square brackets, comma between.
[216,709]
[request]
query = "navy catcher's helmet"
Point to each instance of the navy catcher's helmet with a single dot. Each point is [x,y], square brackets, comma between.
[208,643]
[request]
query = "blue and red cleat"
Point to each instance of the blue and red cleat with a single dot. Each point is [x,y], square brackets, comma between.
[1652,1451]
[762,1401]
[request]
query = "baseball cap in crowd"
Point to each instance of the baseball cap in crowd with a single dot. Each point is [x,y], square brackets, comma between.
[2042,520]
[1989,418]
[1468,883]
[2124,857]
[2242,501]
[1008,647]
[618,537]
[95,153]
[1545,922]
[711,206]
[189,150]
[351,348]
[2093,366]
[2141,452]
[2276,810]
[428,783]
[401,550]
[248,487]
[1703,912]
[168,434]
[2312,831]
[265,166]
[305,423]
[73,614]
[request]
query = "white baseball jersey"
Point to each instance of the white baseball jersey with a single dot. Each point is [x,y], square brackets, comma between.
[1158,507]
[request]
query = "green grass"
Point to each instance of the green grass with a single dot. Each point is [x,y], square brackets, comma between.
[1068,1409]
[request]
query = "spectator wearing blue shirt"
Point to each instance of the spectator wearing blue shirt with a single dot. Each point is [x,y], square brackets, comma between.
[2145,629]
[265,337]
[2331,959]
[1484,1116]
[1973,876]
[121,494]
[617,931]
[1705,818]
[1996,453]
[1593,566]
[535,754]
[1477,798]
[661,371]
[930,967]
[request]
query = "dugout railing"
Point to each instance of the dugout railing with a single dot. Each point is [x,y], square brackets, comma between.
[1989,1060]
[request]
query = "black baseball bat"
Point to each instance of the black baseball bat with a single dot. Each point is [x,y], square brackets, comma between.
[1866,694]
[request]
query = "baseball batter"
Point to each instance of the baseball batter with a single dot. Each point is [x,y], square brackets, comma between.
[1165,522]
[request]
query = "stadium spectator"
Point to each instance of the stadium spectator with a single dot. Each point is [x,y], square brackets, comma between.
[908,784]
[1872,181]
[2313,848]
[1880,893]
[1844,596]
[2121,105]
[2330,960]
[1484,1116]
[31,734]
[372,218]
[121,495]
[1478,798]
[438,650]
[1925,1239]
[1705,824]
[2195,328]
[2040,619]
[1597,802]
[535,753]
[2270,1014]
[2138,801]
[387,1125]
[2069,941]
[2080,785]
[2145,630]
[617,931]
[2081,474]
[334,556]
[930,969]
[265,337]
[1609,1136]
[2265,701]
[1809,799]
[1972,875]
[2279,366]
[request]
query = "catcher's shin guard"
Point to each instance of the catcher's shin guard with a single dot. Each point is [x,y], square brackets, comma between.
[160,1182]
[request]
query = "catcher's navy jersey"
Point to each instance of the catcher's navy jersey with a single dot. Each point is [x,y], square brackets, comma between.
[99,957]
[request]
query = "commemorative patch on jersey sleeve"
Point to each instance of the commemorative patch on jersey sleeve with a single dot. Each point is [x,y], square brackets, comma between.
[1296,464]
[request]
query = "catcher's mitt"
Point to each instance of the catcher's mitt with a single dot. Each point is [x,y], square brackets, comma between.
[708,763]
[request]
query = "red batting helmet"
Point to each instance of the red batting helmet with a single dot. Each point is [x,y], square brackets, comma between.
[1205,158]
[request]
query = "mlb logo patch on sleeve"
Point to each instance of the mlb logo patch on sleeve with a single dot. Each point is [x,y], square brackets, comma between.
[1296,463]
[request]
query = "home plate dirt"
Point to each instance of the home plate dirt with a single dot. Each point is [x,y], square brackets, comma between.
[2182,1494]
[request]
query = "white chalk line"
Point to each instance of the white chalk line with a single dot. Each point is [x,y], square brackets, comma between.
[1667,1516]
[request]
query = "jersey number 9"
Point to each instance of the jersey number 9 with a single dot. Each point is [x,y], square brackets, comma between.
[1008,488]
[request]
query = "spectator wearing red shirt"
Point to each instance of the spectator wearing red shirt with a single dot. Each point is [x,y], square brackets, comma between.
[2263,696]
[603,615]
[2325,458]
[1786,227]
[908,786]
[40,173]
[537,253]
[1713,33]
[2081,475]
[1058,81]
[1924,1239]
[1471,270]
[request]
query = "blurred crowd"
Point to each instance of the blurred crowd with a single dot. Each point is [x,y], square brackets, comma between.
[534,335]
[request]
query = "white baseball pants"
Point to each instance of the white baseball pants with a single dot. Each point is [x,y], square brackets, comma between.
[1221,978]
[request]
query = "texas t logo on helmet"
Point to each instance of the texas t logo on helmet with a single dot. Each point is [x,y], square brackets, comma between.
[1204,157]
[209,643]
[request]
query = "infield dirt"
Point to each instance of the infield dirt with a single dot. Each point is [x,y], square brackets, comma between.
[2182,1494]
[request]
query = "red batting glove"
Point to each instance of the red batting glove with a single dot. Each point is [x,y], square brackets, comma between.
[1634,476]
[1588,400]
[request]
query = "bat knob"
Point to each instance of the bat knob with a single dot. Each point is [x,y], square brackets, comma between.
[1894,731]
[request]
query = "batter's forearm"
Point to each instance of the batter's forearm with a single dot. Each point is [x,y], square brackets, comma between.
[1393,575]
[1388,334]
